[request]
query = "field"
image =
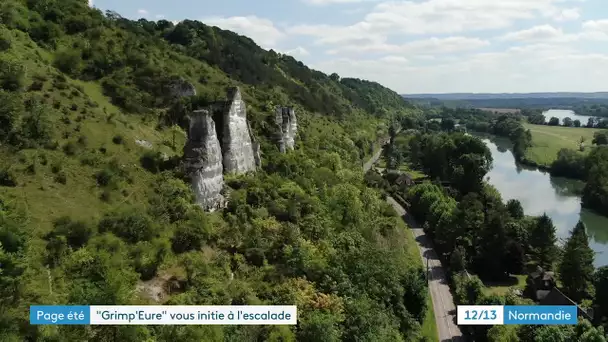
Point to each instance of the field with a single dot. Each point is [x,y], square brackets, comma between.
[501,289]
[548,140]
[405,167]
[501,110]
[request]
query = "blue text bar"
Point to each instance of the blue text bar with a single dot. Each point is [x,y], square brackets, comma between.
[540,314]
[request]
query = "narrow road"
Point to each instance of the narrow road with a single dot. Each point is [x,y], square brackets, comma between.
[443,303]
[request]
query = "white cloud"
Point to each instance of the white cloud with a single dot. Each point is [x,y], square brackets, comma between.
[91,3]
[568,14]
[142,12]
[159,16]
[545,67]
[542,33]
[261,30]
[328,2]
[428,46]
[299,51]
[437,17]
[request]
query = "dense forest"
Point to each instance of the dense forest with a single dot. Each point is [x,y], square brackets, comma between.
[481,238]
[88,216]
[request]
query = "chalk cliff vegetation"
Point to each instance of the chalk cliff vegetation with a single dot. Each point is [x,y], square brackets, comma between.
[130,173]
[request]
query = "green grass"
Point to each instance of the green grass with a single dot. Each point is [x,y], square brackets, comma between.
[501,289]
[548,140]
[429,326]
[405,167]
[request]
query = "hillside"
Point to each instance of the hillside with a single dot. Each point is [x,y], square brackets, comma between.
[90,214]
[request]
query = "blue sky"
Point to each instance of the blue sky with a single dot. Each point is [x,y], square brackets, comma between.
[421,46]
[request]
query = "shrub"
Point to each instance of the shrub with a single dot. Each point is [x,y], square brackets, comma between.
[77,233]
[105,196]
[151,161]
[7,178]
[68,61]
[83,140]
[74,107]
[70,148]
[36,86]
[56,167]
[133,225]
[104,177]
[61,178]
[12,75]
[118,139]
[5,41]
[31,169]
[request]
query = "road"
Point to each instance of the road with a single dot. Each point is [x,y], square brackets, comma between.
[443,303]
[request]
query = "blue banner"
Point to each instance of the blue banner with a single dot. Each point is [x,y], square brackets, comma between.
[540,314]
[60,314]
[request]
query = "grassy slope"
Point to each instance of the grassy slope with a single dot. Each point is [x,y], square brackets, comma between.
[548,140]
[45,199]
[82,110]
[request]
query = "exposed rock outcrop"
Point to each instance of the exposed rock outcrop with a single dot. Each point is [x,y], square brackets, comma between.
[257,156]
[182,88]
[236,142]
[287,127]
[203,161]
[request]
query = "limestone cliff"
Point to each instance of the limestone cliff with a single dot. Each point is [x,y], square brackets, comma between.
[287,127]
[203,161]
[237,147]
[257,155]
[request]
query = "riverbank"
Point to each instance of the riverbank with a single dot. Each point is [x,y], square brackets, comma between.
[539,193]
[547,141]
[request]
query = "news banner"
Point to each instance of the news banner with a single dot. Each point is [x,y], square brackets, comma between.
[269,315]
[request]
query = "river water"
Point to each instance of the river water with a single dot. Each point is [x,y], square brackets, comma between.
[539,192]
[561,114]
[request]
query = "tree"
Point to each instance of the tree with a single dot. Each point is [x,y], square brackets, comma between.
[600,282]
[12,74]
[576,267]
[568,122]
[515,209]
[591,122]
[11,110]
[542,242]
[554,121]
[448,124]
[577,123]
[600,138]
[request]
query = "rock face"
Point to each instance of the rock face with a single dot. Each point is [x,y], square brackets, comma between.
[203,160]
[257,156]
[236,141]
[182,88]
[287,127]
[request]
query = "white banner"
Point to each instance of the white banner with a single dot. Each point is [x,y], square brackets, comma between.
[193,315]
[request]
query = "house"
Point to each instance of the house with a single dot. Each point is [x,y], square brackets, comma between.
[401,179]
[541,287]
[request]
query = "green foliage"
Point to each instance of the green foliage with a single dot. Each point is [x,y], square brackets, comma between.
[595,194]
[131,225]
[12,74]
[576,267]
[307,214]
[542,242]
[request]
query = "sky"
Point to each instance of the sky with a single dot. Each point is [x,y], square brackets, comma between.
[423,46]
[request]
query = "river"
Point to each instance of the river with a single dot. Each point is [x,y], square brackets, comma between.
[561,114]
[539,192]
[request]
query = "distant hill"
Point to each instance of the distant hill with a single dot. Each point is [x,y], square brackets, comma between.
[580,102]
[486,96]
